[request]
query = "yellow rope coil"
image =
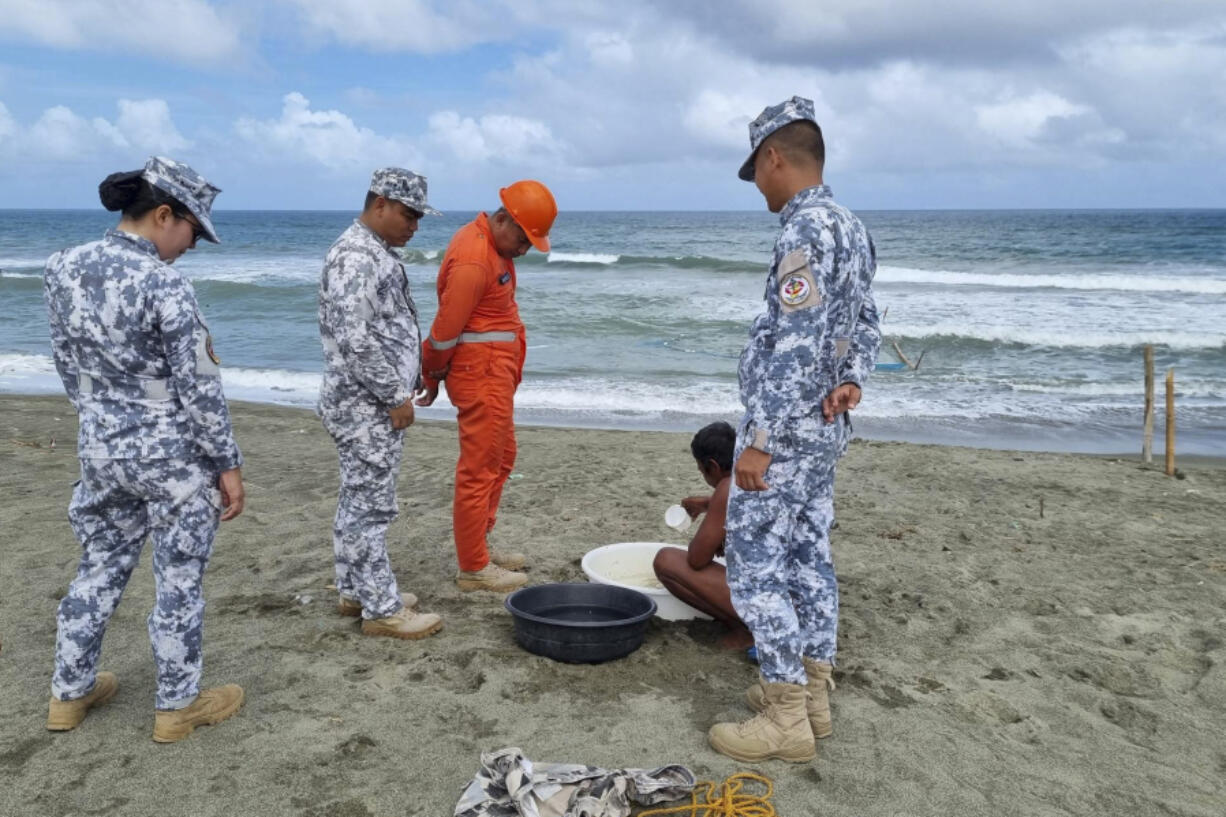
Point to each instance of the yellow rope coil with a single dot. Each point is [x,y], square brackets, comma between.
[727,800]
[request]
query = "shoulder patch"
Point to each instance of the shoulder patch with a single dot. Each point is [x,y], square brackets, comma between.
[797,286]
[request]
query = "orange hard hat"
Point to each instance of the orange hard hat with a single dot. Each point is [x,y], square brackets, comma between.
[532,206]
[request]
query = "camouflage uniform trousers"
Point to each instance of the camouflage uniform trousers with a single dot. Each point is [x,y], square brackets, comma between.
[780,570]
[115,506]
[370,453]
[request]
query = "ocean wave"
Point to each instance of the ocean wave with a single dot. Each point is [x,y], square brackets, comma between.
[621,260]
[21,364]
[1143,282]
[688,402]
[1183,387]
[581,258]
[948,332]
[8,265]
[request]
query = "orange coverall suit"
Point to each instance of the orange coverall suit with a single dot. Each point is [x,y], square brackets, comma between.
[478,332]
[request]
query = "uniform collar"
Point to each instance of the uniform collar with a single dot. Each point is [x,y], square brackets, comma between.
[361,225]
[138,241]
[805,198]
[483,224]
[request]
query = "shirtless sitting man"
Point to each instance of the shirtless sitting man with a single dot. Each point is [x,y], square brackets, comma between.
[693,575]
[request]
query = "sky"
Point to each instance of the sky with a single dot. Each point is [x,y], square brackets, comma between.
[634,105]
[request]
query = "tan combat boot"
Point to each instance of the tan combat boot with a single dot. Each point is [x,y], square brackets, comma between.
[819,687]
[780,731]
[404,623]
[508,559]
[212,706]
[491,577]
[65,715]
[352,607]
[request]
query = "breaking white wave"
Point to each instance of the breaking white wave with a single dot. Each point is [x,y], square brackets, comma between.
[583,258]
[1137,282]
[1060,338]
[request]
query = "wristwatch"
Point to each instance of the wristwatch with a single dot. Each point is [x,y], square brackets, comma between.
[760,439]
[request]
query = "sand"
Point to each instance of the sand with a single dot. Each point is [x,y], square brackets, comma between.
[1022,634]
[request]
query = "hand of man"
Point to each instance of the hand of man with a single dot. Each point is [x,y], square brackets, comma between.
[750,470]
[694,505]
[402,415]
[439,374]
[426,396]
[845,398]
[230,483]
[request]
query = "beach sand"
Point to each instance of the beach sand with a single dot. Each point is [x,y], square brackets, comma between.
[1022,634]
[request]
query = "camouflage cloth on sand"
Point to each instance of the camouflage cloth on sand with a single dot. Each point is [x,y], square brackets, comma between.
[511,785]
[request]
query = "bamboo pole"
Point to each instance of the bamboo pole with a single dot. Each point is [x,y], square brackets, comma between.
[1170,422]
[901,356]
[1147,445]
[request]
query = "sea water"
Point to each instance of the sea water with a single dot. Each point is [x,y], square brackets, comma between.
[1031,323]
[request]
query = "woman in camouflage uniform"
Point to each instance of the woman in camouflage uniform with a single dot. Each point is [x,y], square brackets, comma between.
[158,457]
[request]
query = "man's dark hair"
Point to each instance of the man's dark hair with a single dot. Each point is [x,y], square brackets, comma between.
[714,442]
[800,142]
[128,191]
[370,199]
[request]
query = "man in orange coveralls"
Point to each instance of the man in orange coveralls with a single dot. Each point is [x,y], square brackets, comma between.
[477,343]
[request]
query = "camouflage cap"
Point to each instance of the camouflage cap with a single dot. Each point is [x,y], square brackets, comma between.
[404,186]
[187,186]
[772,118]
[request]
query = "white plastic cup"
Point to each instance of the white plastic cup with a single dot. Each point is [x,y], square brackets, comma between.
[676,518]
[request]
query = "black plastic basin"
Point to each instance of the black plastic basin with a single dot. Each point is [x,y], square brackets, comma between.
[580,623]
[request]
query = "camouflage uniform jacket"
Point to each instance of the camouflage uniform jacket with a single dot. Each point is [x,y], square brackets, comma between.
[819,329]
[135,355]
[368,325]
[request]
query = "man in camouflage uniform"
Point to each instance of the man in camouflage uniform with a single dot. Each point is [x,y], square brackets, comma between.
[158,456]
[807,358]
[372,368]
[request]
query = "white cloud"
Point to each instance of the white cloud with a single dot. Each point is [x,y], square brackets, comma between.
[1018,122]
[7,126]
[329,138]
[419,26]
[610,48]
[1163,88]
[146,125]
[952,32]
[493,138]
[720,117]
[60,134]
[655,95]
[187,30]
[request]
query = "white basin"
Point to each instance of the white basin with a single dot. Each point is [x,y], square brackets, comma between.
[625,563]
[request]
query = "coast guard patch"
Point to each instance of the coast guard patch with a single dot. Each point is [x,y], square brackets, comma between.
[794,290]
[797,287]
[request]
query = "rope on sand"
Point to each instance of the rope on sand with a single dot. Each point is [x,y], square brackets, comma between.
[730,801]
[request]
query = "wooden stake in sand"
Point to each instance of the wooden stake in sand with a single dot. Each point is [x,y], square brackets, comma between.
[1147,445]
[1170,422]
